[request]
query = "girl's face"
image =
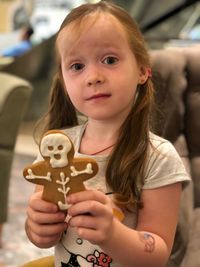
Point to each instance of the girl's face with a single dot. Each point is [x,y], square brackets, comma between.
[99,70]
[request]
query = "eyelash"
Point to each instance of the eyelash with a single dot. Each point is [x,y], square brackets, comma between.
[114,60]
[75,65]
[110,60]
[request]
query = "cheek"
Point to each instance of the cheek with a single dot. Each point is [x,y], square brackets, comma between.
[69,87]
[130,93]
[130,85]
[72,87]
[73,96]
[67,81]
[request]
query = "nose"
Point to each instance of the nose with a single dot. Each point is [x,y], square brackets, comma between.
[94,77]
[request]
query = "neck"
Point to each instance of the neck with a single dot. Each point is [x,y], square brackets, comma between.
[96,130]
[98,139]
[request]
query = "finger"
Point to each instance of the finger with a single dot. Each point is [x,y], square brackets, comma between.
[87,195]
[38,194]
[42,205]
[46,229]
[47,241]
[45,218]
[85,221]
[93,236]
[91,207]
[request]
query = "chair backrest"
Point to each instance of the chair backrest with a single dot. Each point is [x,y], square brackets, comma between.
[37,67]
[177,88]
[170,81]
[178,85]
[191,118]
[14,98]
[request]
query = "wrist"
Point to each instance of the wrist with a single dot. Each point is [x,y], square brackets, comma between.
[113,237]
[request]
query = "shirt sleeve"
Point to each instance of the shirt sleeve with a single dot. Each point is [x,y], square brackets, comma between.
[165,166]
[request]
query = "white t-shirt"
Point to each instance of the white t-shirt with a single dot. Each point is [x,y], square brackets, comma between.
[164,167]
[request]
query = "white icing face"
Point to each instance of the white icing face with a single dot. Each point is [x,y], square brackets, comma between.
[56,146]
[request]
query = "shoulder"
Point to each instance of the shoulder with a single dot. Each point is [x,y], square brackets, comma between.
[161,145]
[164,165]
[75,133]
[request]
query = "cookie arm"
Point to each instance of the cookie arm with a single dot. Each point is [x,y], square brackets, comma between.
[37,173]
[84,169]
[80,170]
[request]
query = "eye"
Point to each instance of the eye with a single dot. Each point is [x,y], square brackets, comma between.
[110,60]
[50,148]
[77,66]
[60,147]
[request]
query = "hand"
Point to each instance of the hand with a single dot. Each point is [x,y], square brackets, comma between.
[45,223]
[92,214]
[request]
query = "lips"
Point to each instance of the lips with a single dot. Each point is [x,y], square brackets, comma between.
[98,96]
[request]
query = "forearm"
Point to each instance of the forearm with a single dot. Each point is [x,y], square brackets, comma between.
[134,248]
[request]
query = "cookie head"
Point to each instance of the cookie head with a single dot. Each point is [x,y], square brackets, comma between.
[56,147]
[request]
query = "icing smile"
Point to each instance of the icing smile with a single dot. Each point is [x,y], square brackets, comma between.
[57,156]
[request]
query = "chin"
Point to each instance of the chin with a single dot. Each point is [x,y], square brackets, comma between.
[98,117]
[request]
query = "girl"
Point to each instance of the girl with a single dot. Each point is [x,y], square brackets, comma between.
[104,73]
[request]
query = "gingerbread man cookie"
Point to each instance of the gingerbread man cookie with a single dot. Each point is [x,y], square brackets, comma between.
[60,173]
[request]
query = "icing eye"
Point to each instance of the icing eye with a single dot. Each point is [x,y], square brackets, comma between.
[60,147]
[50,148]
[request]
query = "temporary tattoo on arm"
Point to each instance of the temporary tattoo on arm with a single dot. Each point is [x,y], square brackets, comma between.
[148,240]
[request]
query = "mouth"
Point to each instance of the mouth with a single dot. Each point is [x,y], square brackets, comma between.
[98,96]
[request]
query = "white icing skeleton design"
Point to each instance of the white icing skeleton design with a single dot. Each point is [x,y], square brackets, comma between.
[56,147]
[60,173]
[31,175]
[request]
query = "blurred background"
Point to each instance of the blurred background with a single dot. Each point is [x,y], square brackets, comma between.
[172,32]
[161,21]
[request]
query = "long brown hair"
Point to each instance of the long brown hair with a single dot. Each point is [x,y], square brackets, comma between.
[125,169]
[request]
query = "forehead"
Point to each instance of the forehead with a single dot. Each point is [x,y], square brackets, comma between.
[102,28]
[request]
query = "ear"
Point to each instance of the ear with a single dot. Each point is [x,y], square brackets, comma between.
[144,74]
